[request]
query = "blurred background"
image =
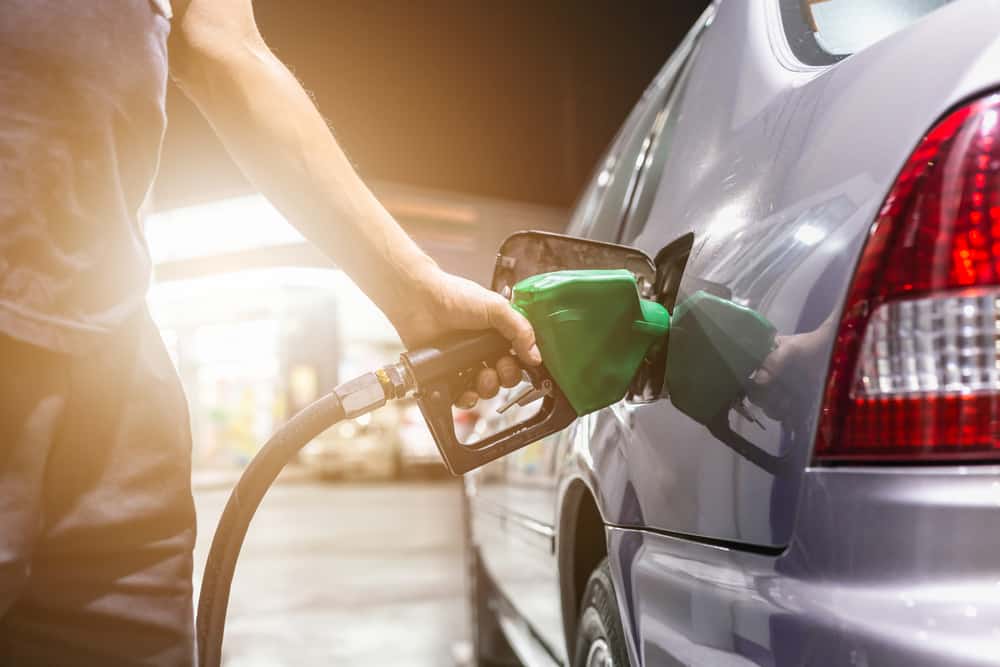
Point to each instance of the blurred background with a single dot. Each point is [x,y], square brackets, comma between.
[470,121]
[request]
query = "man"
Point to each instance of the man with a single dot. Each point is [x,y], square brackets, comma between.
[95,499]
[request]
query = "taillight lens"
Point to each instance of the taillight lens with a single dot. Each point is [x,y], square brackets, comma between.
[915,374]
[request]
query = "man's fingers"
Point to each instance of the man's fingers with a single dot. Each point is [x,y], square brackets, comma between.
[467,400]
[487,383]
[516,328]
[509,371]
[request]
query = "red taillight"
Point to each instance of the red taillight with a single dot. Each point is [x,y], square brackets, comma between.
[915,374]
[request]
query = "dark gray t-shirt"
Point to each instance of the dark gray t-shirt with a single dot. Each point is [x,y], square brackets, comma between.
[82,93]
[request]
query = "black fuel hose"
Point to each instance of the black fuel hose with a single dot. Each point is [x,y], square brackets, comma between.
[255,481]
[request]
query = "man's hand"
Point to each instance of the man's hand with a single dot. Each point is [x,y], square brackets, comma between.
[443,303]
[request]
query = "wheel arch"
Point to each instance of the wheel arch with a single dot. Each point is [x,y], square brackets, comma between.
[581,544]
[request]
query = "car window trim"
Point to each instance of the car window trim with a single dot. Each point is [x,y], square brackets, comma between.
[638,180]
[800,38]
[672,71]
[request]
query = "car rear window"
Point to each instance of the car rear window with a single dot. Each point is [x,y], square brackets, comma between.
[821,32]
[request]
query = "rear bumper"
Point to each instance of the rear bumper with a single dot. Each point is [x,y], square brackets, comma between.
[887,567]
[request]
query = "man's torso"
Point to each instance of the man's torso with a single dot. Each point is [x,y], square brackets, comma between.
[82,91]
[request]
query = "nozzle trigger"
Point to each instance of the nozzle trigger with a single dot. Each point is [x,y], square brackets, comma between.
[530,394]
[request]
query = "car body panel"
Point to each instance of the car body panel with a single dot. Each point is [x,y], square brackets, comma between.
[779,169]
[515,508]
[888,567]
[780,211]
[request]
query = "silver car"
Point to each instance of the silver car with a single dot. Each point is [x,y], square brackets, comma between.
[832,166]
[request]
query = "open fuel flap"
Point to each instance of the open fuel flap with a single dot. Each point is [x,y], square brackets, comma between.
[526,254]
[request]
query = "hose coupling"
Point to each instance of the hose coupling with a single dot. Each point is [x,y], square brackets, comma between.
[361,395]
[396,380]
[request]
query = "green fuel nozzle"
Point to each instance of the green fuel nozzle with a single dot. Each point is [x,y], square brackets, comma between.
[595,332]
[592,329]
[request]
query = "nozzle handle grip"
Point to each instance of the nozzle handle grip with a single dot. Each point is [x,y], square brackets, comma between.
[441,371]
[455,354]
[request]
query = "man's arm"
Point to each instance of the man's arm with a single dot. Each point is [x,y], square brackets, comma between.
[271,128]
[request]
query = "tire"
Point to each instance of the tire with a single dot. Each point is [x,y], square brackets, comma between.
[600,640]
[489,645]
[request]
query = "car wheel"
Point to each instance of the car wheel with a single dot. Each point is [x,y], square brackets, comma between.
[600,641]
[489,645]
